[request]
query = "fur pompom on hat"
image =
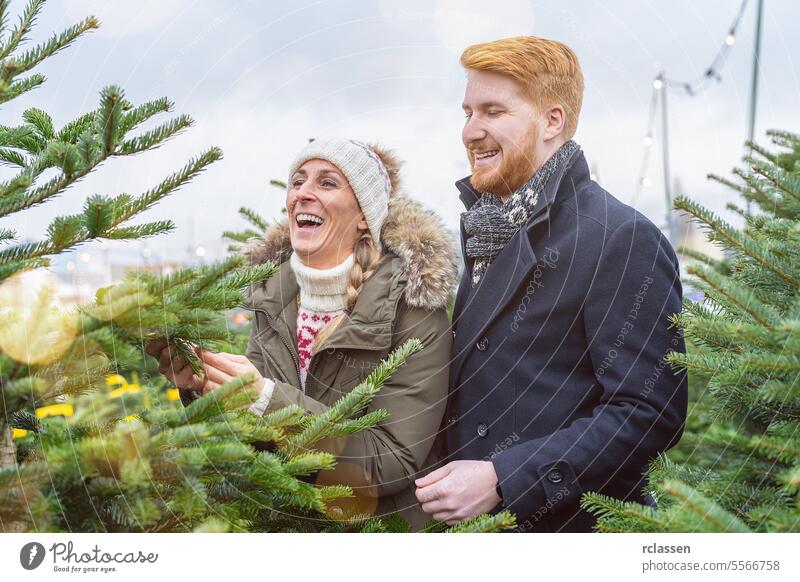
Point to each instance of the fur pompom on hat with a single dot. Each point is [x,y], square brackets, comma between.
[372,179]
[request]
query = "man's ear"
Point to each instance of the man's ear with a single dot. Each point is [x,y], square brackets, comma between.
[554,122]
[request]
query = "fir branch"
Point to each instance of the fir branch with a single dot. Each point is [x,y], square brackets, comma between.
[738,241]
[330,421]
[255,219]
[20,31]
[154,138]
[140,231]
[143,112]
[20,87]
[503,520]
[739,295]
[107,117]
[13,158]
[194,167]
[26,61]
[40,121]
[634,516]
[778,177]
[713,517]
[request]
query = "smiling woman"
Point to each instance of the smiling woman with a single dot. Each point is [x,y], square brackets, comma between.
[326,220]
[362,270]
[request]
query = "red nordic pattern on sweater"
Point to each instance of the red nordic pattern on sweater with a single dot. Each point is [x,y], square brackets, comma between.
[309,324]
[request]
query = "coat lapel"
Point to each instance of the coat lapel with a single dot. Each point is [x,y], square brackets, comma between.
[507,272]
[276,298]
[505,275]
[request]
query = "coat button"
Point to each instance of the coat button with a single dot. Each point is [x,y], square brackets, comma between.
[454,334]
[452,419]
[482,430]
[483,344]
[555,476]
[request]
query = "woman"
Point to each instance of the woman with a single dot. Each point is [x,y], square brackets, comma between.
[362,269]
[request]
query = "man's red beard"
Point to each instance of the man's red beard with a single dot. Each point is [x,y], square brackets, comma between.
[517,165]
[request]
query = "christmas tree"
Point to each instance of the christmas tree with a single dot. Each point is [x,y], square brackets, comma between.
[87,460]
[737,468]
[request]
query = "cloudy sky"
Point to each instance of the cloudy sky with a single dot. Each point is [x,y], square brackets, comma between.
[260,78]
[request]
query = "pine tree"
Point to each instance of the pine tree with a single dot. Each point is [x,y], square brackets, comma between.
[738,465]
[140,462]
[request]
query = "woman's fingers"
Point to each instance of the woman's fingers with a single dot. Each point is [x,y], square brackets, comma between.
[178,363]
[209,386]
[239,359]
[154,347]
[219,368]
[220,361]
[186,379]
[217,375]
[171,361]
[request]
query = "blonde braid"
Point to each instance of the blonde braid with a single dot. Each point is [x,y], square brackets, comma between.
[366,257]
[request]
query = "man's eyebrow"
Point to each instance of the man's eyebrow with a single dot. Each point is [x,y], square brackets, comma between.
[485,105]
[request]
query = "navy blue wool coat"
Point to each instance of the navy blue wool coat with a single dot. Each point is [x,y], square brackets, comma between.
[558,374]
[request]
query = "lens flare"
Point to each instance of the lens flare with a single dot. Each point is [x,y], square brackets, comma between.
[33,328]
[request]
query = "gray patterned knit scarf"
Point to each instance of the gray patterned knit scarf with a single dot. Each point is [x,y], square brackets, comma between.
[491,223]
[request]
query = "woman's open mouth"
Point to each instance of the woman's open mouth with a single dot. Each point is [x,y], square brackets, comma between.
[306,221]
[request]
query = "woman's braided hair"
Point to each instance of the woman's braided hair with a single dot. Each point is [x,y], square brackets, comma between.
[365,254]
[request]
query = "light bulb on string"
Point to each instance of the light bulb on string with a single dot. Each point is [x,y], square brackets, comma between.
[658,84]
[648,140]
[730,39]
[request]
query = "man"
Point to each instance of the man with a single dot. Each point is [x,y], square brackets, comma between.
[558,383]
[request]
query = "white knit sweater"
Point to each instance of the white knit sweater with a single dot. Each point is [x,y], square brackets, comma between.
[323,297]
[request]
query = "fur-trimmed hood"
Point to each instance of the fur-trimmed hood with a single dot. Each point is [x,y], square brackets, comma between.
[415,234]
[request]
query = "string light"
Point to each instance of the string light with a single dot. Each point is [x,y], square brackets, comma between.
[712,72]
[690,88]
[86,257]
[651,117]
[200,252]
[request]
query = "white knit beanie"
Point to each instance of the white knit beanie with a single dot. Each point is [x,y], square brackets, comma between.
[363,169]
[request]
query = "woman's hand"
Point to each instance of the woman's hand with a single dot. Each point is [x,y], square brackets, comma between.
[173,366]
[222,367]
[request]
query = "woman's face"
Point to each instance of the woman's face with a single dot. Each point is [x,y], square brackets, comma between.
[325,220]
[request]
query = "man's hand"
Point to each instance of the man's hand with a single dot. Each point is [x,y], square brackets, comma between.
[458,491]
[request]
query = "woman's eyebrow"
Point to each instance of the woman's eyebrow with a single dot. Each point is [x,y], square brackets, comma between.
[327,171]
